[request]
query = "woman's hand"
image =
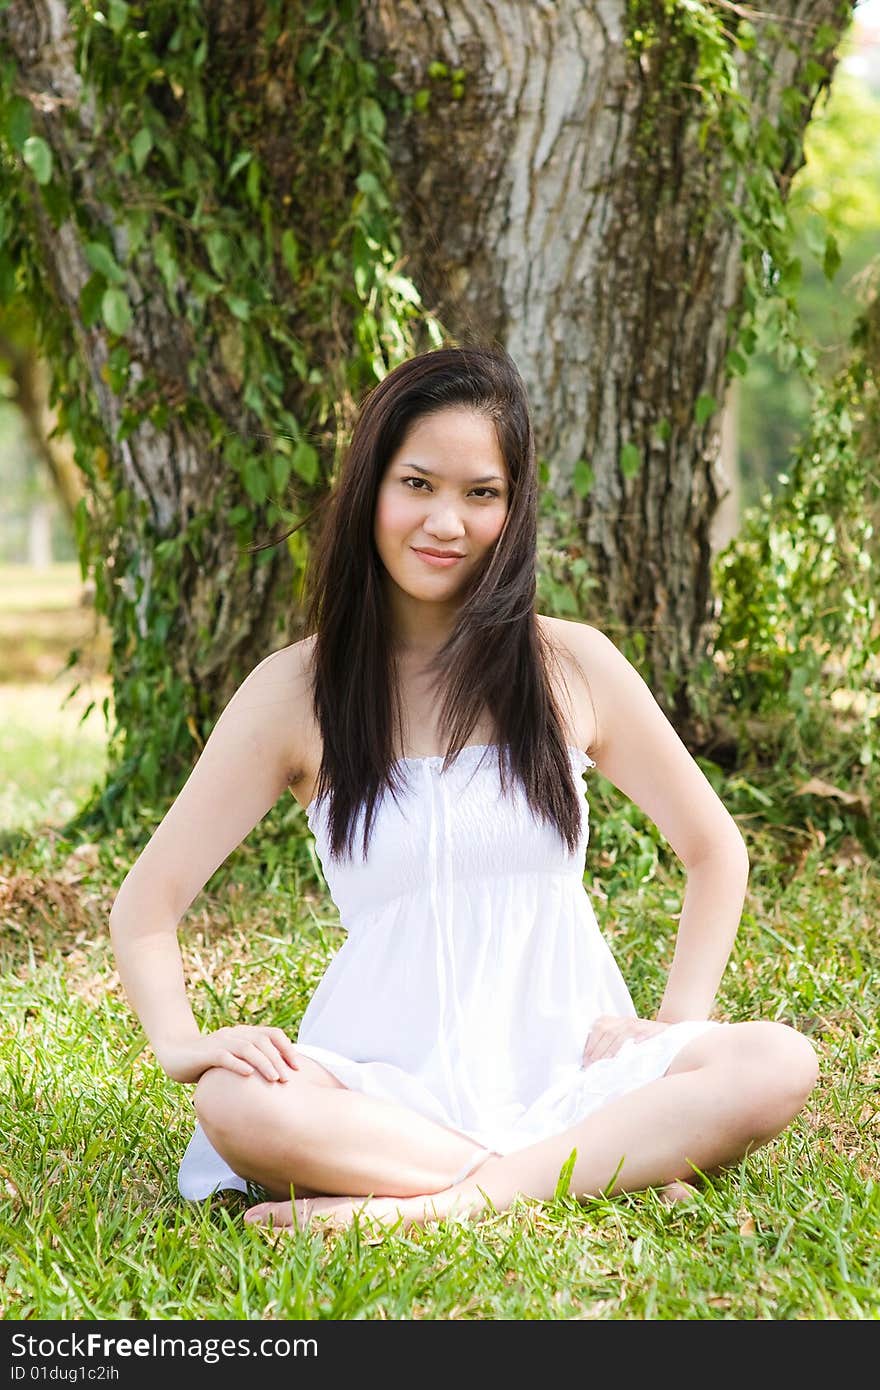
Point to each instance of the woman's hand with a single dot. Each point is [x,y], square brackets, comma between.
[244,1049]
[610,1032]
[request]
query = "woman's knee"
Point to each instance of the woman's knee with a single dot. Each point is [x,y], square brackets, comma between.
[784,1055]
[779,1069]
[764,1071]
[228,1103]
[795,1060]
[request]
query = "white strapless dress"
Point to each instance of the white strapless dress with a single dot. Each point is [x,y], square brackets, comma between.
[472,969]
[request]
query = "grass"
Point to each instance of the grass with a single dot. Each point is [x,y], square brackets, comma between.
[90,1222]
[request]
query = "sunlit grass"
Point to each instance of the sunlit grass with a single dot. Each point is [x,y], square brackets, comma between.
[90,1221]
[50,759]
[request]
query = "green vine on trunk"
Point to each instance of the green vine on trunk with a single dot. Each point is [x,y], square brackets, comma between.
[257,190]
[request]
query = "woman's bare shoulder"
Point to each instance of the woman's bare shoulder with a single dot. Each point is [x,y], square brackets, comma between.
[580,644]
[573,645]
[289,672]
[564,630]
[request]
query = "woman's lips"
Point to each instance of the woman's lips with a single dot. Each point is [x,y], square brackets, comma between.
[443,562]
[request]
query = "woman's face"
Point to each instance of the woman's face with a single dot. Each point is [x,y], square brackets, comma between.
[445,490]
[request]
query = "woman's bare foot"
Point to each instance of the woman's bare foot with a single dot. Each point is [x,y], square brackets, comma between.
[392,1213]
[459,1203]
[675,1192]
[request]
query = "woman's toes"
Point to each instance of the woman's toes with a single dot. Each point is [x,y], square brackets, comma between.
[675,1192]
[270,1213]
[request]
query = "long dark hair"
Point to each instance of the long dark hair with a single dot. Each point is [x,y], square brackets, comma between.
[496,658]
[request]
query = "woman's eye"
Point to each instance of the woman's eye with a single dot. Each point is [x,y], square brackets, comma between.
[485,492]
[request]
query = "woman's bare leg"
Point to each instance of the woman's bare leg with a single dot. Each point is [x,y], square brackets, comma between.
[317,1135]
[726,1093]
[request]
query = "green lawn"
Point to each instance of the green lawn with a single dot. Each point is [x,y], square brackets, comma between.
[90,1222]
[52,737]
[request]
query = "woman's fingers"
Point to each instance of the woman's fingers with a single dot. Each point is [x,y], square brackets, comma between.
[604,1046]
[602,1038]
[285,1047]
[246,1049]
[609,1034]
[228,1059]
[271,1063]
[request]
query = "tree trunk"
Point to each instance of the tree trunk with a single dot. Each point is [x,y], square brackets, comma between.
[160,397]
[555,196]
[228,612]
[30,377]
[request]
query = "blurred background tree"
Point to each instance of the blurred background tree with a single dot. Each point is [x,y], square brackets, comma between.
[838,192]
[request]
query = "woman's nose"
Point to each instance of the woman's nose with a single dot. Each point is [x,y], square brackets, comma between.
[444,520]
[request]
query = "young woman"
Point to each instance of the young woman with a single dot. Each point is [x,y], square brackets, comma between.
[474,1031]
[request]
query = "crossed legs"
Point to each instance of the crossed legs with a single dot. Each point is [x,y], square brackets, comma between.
[726,1093]
[315,1133]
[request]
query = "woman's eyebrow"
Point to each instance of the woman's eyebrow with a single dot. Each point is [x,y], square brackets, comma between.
[472,482]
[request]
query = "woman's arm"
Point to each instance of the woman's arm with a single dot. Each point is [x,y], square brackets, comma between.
[710,914]
[639,751]
[244,768]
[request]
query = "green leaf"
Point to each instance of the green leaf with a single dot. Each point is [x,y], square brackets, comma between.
[825,37]
[831,258]
[141,146]
[90,300]
[117,14]
[137,223]
[167,263]
[255,482]
[290,253]
[116,311]
[101,258]
[630,461]
[219,249]
[583,478]
[737,365]
[203,285]
[404,287]
[305,462]
[239,307]
[191,174]
[18,122]
[371,116]
[241,159]
[38,157]
[280,472]
[814,72]
[706,406]
[745,36]
[7,278]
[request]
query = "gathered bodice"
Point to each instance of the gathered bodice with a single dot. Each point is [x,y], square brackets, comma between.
[444,828]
